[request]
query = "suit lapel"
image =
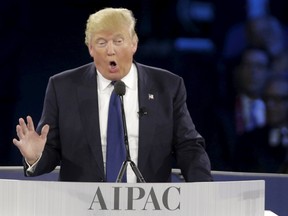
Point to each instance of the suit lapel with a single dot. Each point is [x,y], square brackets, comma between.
[88,107]
[147,101]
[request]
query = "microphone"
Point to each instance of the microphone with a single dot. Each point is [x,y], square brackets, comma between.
[120,90]
[142,112]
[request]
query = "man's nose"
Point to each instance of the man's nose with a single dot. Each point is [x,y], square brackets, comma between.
[110,48]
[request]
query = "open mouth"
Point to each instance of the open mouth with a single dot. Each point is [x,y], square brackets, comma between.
[113,66]
[112,63]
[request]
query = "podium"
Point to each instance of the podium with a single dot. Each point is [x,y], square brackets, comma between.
[47,198]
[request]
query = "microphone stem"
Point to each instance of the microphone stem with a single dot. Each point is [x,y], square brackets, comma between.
[128,157]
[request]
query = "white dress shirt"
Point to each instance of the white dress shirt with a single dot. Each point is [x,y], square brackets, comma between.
[131,107]
[254,112]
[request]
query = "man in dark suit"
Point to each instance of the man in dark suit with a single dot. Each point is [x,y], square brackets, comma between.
[72,129]
[265,149]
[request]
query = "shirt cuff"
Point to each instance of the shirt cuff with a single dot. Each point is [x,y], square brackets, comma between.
[31,168]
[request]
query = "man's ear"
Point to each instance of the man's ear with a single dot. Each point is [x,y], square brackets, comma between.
[134,44]
[90,48]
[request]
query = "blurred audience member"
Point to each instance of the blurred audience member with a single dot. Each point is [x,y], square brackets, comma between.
[265,149]
[264,32]
[249,79]
[243,109]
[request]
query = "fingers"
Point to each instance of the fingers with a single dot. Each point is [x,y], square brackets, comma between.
[22,129]
[16,142]
[44,131]
[23,126]
[30,124]
[19,132]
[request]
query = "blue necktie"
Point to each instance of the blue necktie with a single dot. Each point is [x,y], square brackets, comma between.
[115,154]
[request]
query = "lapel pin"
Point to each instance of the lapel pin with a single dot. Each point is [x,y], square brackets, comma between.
[150,96]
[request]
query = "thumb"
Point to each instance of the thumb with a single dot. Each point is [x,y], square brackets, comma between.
[44,131]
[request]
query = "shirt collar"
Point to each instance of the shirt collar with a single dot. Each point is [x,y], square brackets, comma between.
[130,79]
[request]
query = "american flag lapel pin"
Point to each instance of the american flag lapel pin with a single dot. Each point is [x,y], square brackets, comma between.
[150,96]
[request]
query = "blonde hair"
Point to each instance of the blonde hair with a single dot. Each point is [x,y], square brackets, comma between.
[108,19]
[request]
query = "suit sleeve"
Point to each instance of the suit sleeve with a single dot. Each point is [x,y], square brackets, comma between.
[189,145]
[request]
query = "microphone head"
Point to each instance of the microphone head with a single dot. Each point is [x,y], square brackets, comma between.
[120,88]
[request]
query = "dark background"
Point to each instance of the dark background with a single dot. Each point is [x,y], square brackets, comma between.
[41,38]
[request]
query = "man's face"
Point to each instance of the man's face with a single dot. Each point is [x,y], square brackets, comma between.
[254,69]
[112,51]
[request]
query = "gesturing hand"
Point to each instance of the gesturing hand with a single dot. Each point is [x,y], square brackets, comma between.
[29,142]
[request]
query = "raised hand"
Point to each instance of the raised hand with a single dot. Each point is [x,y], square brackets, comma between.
[29,142]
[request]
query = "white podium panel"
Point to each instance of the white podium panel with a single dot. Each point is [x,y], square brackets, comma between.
[42,198]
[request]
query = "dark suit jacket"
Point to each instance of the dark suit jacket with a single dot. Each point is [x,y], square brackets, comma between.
[71,110]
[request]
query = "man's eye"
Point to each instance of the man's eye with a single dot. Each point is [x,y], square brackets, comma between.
[118,41]
[101,43]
